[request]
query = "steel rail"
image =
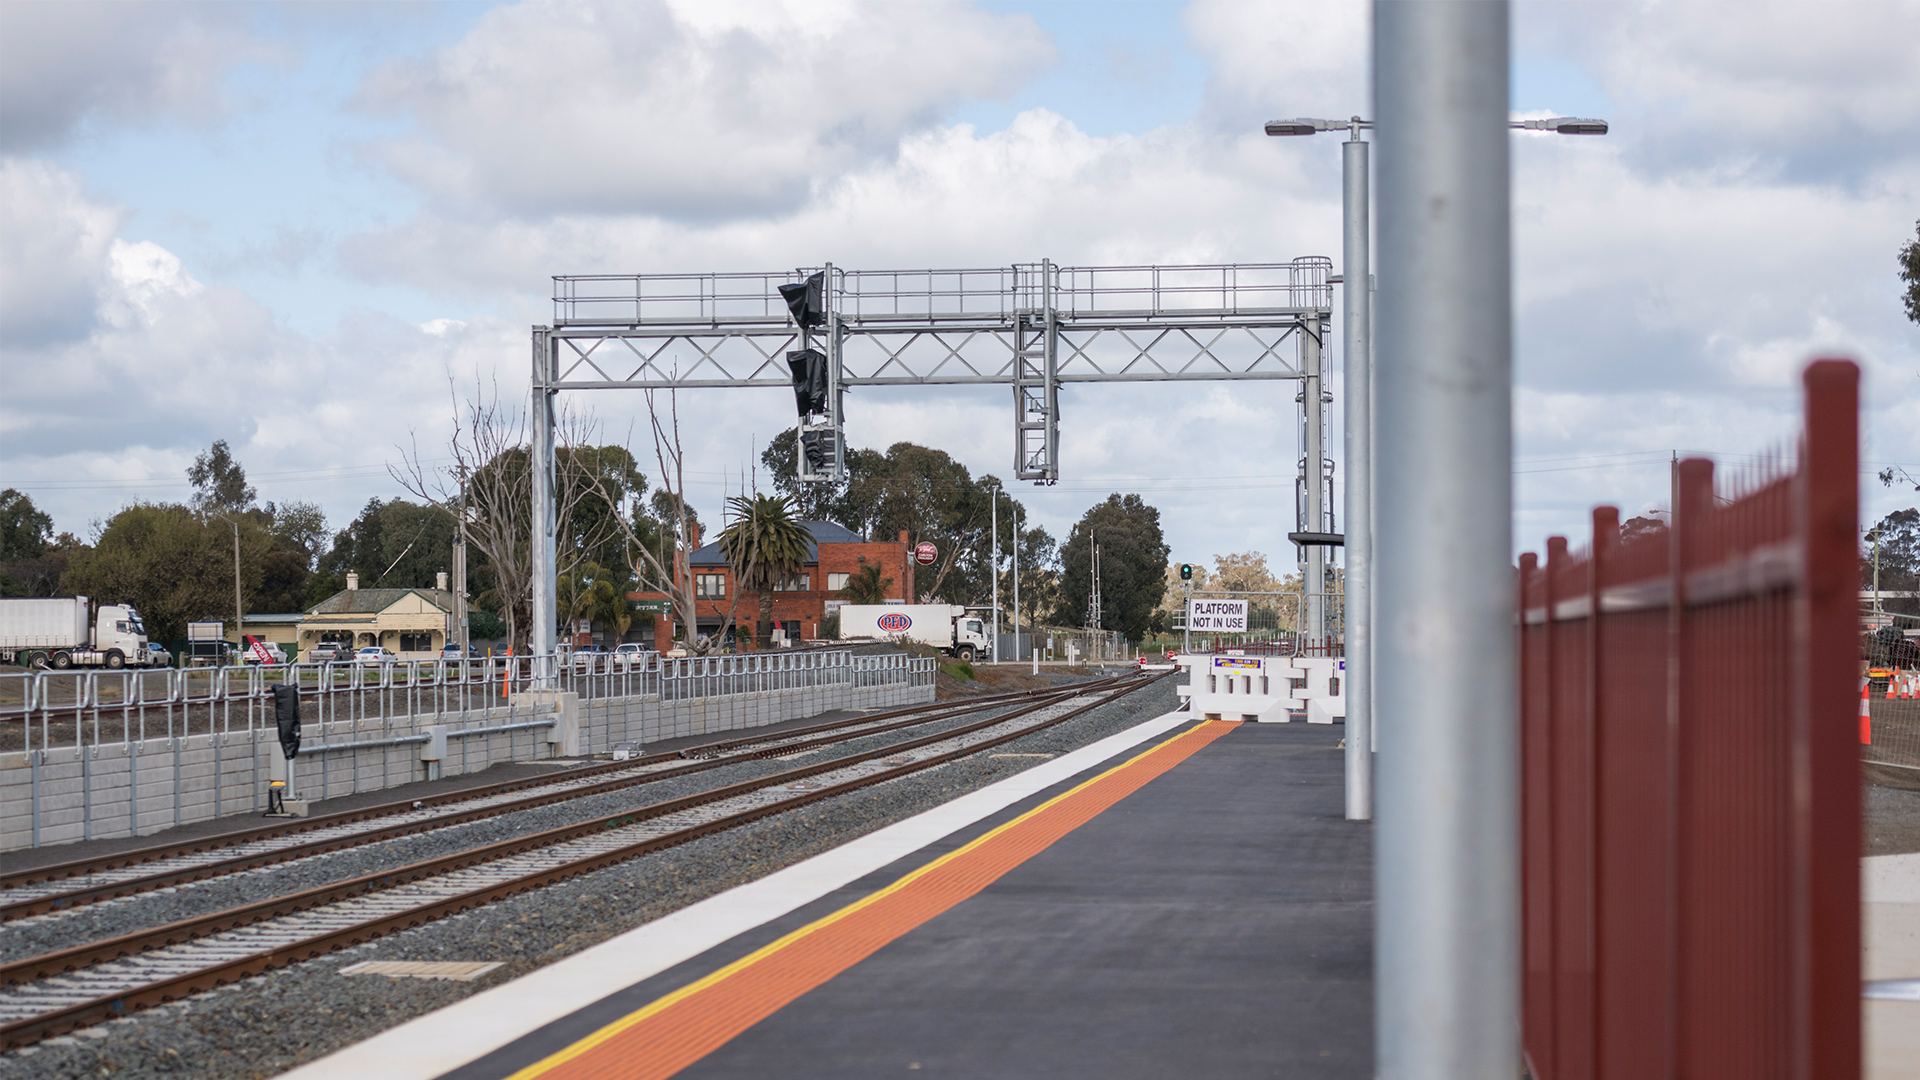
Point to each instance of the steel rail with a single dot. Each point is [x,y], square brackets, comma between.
[119,860]
[705,757]
[26,1031]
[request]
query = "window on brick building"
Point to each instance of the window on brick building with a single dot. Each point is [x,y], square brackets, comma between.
[836,582]
[709,585]
[794,583]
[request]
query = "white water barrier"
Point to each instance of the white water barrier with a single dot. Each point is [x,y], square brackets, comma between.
[1265,689]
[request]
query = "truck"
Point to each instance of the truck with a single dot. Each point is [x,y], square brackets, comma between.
[69,631]
[946,627]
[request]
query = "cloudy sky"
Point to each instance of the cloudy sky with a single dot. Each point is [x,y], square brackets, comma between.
[293,226]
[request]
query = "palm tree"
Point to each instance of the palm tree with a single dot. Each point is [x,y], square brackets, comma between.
[765,545]
[866,586]
[589,592]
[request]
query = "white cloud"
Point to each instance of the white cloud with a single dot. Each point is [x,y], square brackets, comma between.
[1273,61]
[53,253]
[1796,89]
[62,63]
[150,366]
[686,110]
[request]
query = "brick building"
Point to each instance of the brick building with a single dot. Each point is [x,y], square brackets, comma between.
[835,554]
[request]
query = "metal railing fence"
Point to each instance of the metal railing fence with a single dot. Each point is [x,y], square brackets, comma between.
[214,722]
[1690,796]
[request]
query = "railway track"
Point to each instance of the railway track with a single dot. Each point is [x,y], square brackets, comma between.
[72,885]
[89,983]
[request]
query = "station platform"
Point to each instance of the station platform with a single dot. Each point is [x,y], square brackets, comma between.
[1183,898]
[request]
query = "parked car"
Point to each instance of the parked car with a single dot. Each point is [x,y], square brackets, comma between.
[276,655]
[588,657]
[158,656]
[330,652]
[628,653]
[374,654]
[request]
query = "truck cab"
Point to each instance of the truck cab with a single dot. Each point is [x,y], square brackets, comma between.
[969,639]
[119,637]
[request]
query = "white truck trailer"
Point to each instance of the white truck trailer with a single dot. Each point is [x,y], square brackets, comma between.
[67,631]
[943,626]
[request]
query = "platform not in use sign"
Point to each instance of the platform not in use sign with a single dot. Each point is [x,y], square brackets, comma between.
[1217,615]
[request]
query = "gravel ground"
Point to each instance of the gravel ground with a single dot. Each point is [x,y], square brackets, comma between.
[268,1024]
[45,933]
[1893,820]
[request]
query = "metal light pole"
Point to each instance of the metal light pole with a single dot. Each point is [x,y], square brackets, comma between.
[1446,871]
[1357,282]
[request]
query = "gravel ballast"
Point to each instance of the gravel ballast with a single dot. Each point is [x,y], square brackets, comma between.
[270,1023]
[46,933]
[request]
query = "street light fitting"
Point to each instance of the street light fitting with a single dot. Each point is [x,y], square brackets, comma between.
[1563,125]
[1294,127]
[1309,126]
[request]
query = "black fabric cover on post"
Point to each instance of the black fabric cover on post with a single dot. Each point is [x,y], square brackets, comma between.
[809,368]
[286,713]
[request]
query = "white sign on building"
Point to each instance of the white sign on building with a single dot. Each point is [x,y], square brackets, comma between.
[1217,616]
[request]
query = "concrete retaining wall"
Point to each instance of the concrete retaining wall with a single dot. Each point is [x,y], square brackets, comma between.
[120,789]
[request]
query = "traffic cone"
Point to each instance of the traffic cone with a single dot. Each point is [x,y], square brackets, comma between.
[1891,680]
[1866,715]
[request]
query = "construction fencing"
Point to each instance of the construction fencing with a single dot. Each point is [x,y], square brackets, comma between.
[1691,776]
[1891,707]
[92,755]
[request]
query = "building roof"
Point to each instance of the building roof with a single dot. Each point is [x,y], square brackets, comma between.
[375,601]
[822,532]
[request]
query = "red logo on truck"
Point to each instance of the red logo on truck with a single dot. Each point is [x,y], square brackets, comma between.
[895,622]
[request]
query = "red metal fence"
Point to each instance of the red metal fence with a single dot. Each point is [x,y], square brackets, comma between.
[1691,776]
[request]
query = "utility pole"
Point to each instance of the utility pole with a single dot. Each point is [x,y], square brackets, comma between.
[993,517]
[239,619]
[460,573]
[1016,584]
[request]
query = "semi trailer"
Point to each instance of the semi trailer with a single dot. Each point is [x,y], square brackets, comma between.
[67,631]
[944,626]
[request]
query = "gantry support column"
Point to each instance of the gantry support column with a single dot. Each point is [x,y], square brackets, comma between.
[542,635]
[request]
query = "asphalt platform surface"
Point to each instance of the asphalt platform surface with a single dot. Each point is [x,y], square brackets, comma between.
[1217,922]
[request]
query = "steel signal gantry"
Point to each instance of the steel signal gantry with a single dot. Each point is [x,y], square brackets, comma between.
[1032,327]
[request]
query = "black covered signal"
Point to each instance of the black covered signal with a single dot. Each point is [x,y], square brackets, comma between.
[804,300]
[817,447]
[809,367]
[286,715]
